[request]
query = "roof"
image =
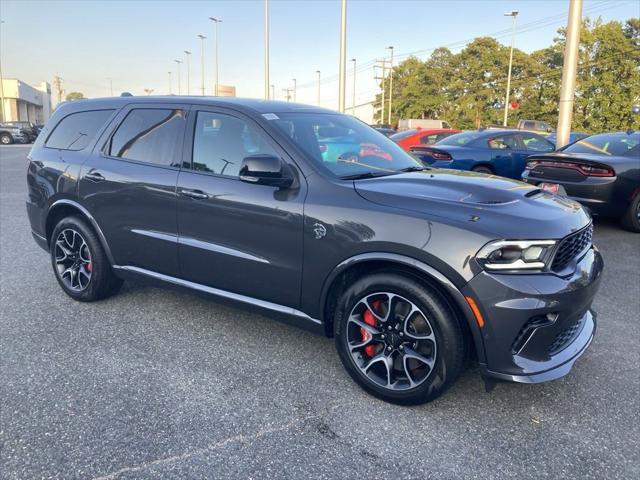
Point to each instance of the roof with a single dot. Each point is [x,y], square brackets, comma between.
[244,104]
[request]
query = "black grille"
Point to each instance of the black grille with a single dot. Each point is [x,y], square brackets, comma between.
[571,247]
[565,337]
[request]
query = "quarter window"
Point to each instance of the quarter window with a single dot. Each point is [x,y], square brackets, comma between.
[536,144]
[221,142]
[75,131]
[149,135]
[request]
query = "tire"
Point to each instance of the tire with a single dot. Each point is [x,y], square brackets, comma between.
[6,139]
[408,381]
[483,169]
[631,219]
[75,248]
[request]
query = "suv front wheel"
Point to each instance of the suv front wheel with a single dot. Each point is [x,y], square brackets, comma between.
[398,339]
[80,263]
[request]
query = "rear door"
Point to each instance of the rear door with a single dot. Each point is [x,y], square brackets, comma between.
[236,236]
[506,153]
[129,185]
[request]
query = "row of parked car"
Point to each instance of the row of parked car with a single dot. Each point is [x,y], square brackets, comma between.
[19,132]
[600,171]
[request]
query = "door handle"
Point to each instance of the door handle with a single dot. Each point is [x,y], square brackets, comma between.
[94,176]
[197,194]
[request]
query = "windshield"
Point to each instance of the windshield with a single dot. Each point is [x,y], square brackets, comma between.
[460,138]
[401,135]
[343,145]
[609,144]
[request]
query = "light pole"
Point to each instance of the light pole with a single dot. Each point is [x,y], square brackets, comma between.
[294,89]
[342,76]
[266,49]
[170,88]
[390,85]
[569,70]
[353,103]
[215,21]
[188,55]
[179,87]
[273,92]
[318,72]
[202,39]
[514,14]
[287,93]
[2,111]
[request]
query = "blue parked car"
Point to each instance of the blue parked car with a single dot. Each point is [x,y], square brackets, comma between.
[498,152]
[573,137]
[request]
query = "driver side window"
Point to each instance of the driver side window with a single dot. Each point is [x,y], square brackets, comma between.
[221,142]
[504,142]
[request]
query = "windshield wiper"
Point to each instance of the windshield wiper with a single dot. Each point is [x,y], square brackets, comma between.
[360,176]
[414,169]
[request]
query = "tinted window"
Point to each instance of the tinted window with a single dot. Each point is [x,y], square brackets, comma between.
[536,143]
[149,135]
[433,138]
[343,145]
[222,141]
[445,125]
[529,125]
[504,142]
[401,135]
[460,138]
[75,131]
[606,144]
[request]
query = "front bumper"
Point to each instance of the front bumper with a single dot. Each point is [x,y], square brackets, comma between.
[536,325]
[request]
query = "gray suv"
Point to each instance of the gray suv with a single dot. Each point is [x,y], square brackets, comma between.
[324,222]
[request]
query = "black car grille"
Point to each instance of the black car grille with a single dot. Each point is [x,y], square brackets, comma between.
[571,247]
[565,337]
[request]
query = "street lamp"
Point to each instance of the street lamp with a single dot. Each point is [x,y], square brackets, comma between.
[318,72]
[266,49]
[390,84]
[179,88]
[188,54]
[202,38]
[353,104]
[215,21]
[294,89]
[170,89]
[514,14]
[273,92]
[342,75]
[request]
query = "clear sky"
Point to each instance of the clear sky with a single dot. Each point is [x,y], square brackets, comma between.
[135,42]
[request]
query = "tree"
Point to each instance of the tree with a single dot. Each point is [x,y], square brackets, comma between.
[75,96]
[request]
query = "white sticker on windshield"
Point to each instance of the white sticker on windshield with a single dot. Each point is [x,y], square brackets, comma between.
[270,116]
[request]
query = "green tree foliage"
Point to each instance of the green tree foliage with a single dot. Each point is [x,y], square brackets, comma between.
[468,88]
[75,96]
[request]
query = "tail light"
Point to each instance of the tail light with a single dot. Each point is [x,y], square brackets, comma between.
[440,155]
[587,170]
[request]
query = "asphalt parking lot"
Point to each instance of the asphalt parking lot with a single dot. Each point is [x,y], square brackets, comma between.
[158,383]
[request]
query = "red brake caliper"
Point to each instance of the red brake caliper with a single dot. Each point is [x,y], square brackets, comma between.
[369,319]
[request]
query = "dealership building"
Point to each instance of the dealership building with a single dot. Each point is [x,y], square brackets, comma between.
[22,102]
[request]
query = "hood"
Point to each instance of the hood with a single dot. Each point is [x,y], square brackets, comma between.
[506,208]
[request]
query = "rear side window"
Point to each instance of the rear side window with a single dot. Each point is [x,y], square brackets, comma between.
[150,135]
[75,131]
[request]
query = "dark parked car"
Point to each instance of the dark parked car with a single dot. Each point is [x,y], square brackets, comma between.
[28,129]
[10,134]
[499,152]
[601,171]
[573,137]
[410,268]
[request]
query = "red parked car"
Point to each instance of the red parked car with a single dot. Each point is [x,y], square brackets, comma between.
[421,136]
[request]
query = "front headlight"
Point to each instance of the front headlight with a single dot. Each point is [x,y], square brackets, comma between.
[516,254]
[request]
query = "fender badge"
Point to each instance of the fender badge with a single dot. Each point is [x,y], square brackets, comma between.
[319,230]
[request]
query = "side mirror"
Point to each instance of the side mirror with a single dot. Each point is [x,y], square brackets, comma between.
[265,170]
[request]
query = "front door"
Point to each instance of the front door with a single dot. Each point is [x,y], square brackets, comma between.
[236,236]
[129,185]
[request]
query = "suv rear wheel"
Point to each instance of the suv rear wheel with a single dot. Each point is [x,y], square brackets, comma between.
[398,339]
[80,263]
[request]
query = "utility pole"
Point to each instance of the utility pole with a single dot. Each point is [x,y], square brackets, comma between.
[215,21]
[390,84]
[266,49]
[353,102]
[2,111]
[57,81]
[514,14]
[273,92]
[569,71]
[383,66]
[179,87]
[318,72]
[202,39]
[342,76]
[188,55]
[170,88]
[295,87]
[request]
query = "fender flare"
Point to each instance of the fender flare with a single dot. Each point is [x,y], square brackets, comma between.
[426,269]
[92,220]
